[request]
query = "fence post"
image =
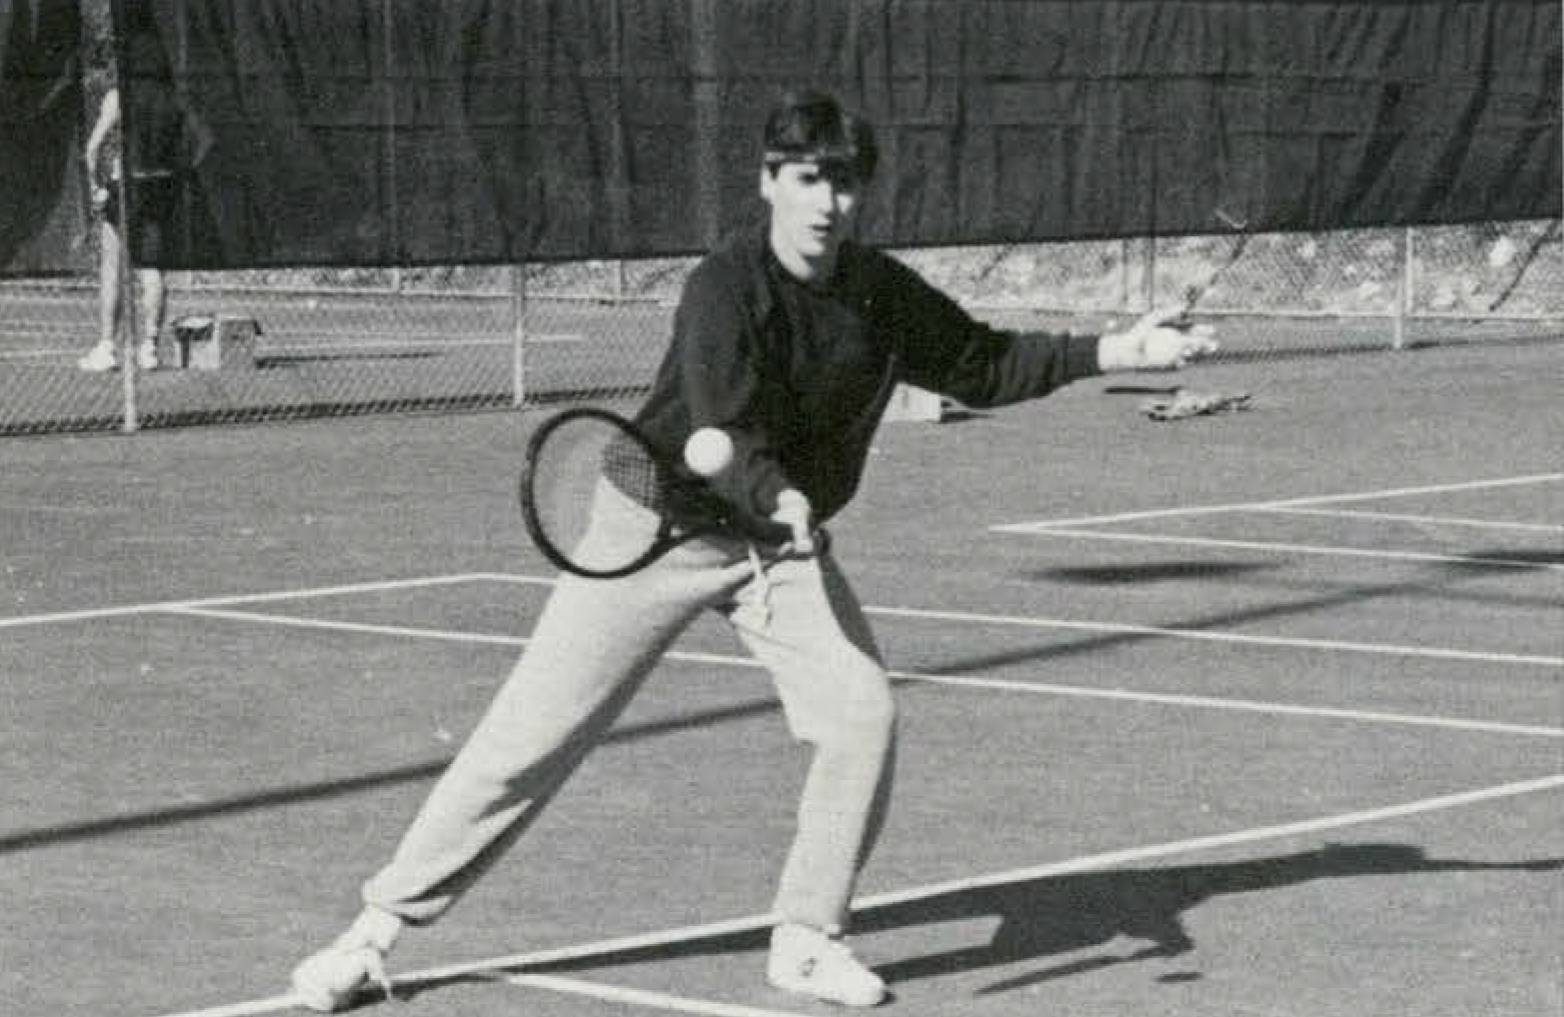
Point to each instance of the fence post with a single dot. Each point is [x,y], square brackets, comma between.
[1404,281]
[1126,247]
[708,120]
[130,422]
[1148,282]
[518,327]
[129,311]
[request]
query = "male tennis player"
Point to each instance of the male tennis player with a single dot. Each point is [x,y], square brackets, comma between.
[791,337]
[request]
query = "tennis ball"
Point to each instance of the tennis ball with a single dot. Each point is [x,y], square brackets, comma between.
[708,452]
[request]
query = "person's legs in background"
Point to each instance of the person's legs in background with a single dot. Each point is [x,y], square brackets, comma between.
[148,293]
[102,355]
[151,304]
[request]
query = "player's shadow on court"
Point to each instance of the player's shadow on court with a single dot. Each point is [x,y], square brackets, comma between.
[1146,572]
[1061,915]
[1508,559]
[1056,916]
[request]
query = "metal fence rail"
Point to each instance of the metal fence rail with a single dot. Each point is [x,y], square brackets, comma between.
[347,342]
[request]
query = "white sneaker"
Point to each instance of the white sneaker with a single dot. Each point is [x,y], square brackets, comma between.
[146,355]
[806,960]
[333,978]
[98,359]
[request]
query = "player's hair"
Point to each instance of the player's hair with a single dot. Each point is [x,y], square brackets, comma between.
[811,126]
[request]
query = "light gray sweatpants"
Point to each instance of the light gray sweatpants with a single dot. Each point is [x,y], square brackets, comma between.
[589,653]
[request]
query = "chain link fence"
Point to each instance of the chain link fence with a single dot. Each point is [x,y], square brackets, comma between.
[285,344]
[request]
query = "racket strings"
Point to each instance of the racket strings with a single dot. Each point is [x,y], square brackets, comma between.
[636,473]
[628,467]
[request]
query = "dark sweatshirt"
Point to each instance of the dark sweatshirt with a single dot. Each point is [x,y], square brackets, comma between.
[800,373]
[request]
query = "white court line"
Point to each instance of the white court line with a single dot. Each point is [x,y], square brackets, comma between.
[1051,870]
[1239,705]
[1045,530]
[1327,499]
[1017,621]
[1199,635]
[1036,688]
[346,589]
[365,628]
[1213,636]
[1091,863]
[1401,517]
[644,998]
[212,606]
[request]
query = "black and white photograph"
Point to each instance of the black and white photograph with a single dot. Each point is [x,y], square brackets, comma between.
[782,508]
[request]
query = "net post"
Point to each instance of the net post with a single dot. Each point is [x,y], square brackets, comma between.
[518,334]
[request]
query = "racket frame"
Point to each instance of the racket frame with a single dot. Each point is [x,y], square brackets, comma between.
[667,537]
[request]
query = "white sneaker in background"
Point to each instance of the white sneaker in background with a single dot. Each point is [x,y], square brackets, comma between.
[99,358]
[146,355]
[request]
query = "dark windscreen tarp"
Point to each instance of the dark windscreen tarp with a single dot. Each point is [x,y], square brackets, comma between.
[401,131]
[43,217]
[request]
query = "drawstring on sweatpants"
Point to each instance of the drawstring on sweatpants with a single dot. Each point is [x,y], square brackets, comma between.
[754,601]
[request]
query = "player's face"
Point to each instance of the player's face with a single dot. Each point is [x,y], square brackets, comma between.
[812,210]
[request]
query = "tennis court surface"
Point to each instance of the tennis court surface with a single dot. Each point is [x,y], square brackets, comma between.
[1255,713]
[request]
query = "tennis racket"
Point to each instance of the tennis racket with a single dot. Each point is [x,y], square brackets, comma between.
[1194,294]
[575,451]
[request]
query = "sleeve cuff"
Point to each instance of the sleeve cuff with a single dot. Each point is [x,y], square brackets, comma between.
[1080,356]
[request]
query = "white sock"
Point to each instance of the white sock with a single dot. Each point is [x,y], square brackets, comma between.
[375,927]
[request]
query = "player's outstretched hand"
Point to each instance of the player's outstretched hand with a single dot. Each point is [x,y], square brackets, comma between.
[1162,340]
